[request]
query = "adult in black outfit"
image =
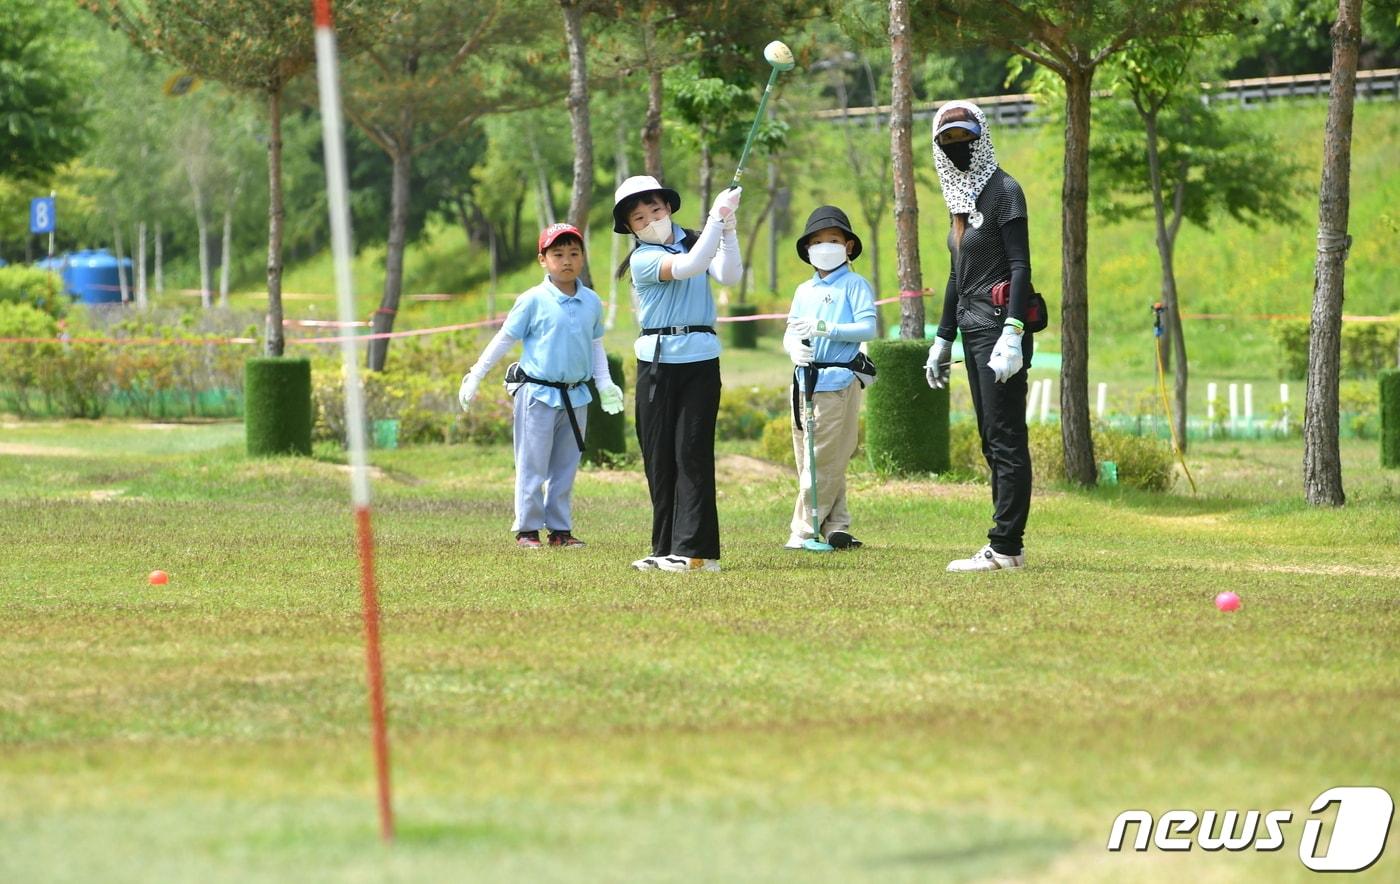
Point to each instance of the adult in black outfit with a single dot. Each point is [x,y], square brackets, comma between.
[989,244]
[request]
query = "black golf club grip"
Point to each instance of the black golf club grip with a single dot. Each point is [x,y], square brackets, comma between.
[809,373]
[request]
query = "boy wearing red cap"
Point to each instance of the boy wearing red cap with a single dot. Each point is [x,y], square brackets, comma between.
[560,322]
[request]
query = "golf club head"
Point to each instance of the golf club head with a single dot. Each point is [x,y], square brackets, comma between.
[812,544]
[779,55]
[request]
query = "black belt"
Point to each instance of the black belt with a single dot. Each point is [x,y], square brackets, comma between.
[661,332]
[859,365]
[563,387]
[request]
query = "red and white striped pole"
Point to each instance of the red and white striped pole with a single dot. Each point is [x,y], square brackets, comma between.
[337,190]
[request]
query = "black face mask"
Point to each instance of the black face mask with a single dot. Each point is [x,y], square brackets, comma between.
[960,152]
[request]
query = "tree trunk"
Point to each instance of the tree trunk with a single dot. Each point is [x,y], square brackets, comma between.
[226,247]
[1174,327]
[141,293]
[579,126]
[495,270]
[906,198]
[544,199]
[748,250]
[707,178]
[1074,304]
[1165,243]
[121,268]
[272,327]
[874,240]
[773,226]
[160,261]
[651,127]
[393,256]
[201,224]
[616,239]
[1322,463]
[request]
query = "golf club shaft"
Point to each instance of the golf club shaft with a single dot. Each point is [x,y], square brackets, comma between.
[809,393]
[753,130]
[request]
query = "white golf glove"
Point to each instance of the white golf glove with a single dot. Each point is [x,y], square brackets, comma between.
[610,398]
[725,205]
[801,327]
[1006,355]
[802,354]
[940,363]
[467,392]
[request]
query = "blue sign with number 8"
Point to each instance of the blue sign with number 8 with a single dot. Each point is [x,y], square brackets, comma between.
[41,215]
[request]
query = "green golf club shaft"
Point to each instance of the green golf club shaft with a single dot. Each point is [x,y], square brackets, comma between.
[753,130]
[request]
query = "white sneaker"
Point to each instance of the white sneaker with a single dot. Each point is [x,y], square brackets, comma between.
[795,542]
[988,559]
[683,565]
[650,563]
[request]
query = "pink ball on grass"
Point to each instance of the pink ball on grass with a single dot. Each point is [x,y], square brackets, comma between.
[158,578]
[1227,601]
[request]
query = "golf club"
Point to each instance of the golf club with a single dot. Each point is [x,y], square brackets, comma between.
[779,56]
[809,389]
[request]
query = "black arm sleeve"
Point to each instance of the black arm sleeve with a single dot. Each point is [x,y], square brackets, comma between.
[1016,240]
[948,321]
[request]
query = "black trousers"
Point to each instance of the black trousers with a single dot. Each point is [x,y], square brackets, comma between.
[1001,422]
[676,431]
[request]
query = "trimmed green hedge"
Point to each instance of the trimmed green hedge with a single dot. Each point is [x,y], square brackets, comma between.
[606,436]
[277,406]
[1390,418]
[1367,347]
[906,421]
[743,335]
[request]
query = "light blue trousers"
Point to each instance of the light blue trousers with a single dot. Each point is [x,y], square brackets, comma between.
[546,461]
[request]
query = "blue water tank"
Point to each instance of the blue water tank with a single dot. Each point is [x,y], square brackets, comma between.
[92,278]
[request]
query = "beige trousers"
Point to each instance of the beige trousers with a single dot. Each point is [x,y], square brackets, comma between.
[836,437]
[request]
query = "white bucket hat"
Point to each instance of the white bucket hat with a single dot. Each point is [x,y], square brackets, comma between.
[639,184]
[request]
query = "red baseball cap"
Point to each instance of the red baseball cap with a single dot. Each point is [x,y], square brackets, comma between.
[554,231]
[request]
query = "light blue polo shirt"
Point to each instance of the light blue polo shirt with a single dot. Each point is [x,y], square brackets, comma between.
[557,331]
[843,296]
[676,302]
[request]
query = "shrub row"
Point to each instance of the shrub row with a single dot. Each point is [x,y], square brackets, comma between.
[89,380]
[1367,348]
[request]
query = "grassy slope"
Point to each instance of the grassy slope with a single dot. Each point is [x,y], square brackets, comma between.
[852,717]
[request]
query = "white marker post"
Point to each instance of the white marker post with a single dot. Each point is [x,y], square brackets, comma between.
[337,191]
[1103,400]
[1249,408]
[1212,391]
[1045,400]
[1283,400]
[1032,401]
[1234,406]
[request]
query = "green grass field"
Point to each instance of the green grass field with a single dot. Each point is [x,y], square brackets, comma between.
[554,716]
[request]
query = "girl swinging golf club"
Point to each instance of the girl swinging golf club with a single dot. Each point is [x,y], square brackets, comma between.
[988,299]
[678,380]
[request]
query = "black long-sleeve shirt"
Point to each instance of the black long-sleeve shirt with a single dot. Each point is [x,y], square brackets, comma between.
[997,251]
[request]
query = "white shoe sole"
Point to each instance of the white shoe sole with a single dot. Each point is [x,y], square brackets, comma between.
[687,568]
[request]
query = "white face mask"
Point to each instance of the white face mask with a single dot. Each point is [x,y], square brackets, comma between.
[657,232]
[827,255]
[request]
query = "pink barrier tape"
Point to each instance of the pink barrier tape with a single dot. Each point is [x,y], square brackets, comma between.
[190,342]
[196,341]
[399,334]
